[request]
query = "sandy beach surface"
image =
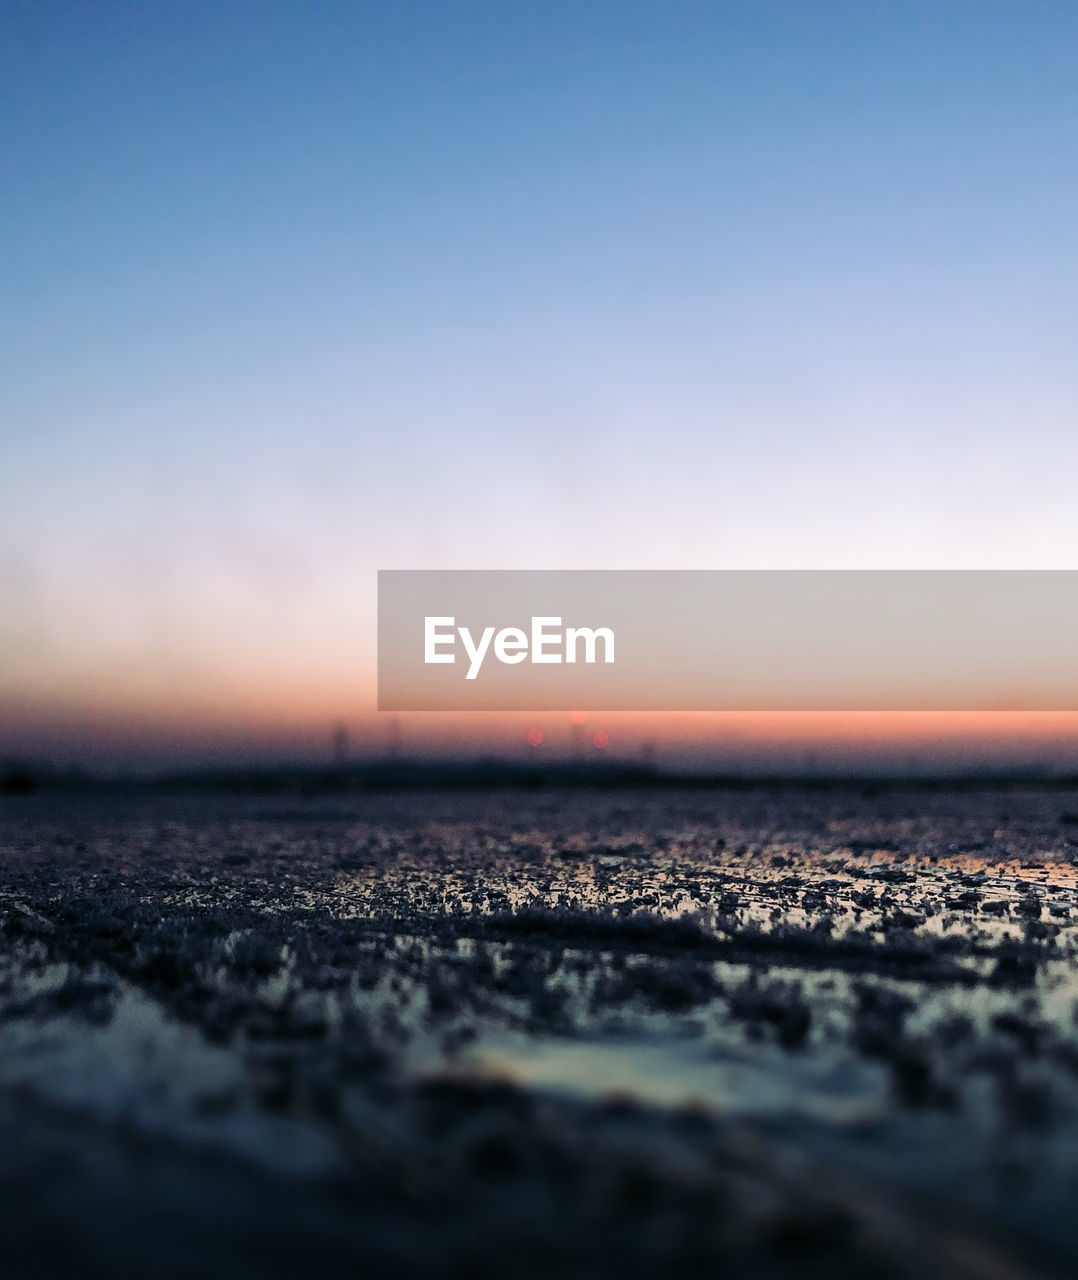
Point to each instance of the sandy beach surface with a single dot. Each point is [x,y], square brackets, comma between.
[766,1032]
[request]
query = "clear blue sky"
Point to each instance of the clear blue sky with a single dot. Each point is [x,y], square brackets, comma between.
[292,292]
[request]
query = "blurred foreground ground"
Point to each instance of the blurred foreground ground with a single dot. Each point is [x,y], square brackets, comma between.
[766,1033]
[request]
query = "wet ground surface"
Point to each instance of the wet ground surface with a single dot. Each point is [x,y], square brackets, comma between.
[770,1033]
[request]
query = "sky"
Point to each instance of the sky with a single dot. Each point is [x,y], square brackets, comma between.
[296,292]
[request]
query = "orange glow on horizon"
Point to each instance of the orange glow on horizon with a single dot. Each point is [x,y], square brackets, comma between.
[299,722]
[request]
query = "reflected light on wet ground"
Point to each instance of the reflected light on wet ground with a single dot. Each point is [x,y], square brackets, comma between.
[882,985]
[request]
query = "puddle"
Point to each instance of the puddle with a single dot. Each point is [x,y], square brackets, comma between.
[681,1073]
[137,1066]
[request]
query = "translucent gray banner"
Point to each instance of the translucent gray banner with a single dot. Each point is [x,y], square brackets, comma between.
[728,640]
